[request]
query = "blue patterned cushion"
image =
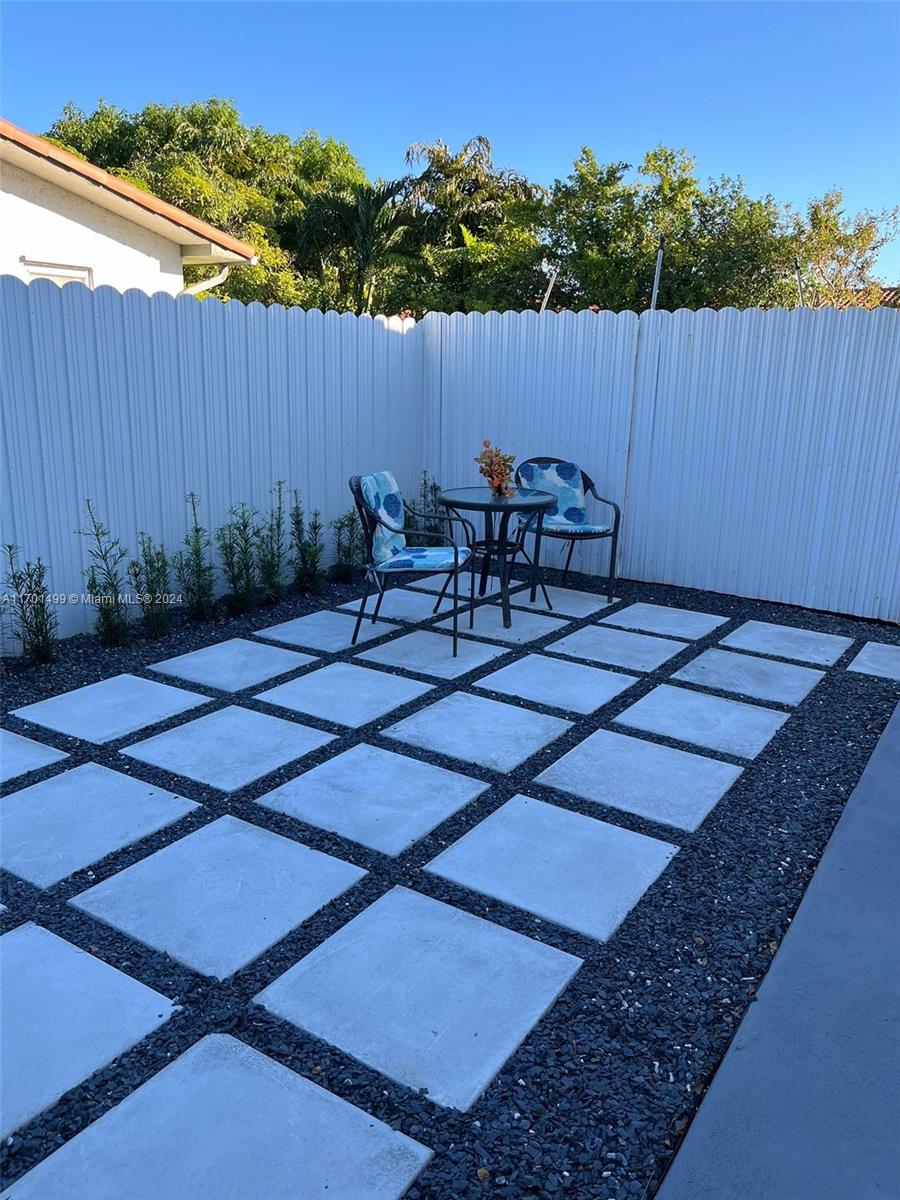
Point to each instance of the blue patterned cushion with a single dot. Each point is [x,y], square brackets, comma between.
[569,530]
[565,481]
[425,558]
[385,499]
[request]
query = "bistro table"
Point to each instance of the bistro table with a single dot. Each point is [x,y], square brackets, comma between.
[482,499]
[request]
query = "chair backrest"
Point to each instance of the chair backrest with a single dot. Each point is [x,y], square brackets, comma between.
[379,499]
[566,480]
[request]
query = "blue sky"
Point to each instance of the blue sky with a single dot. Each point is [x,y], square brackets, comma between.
[795,97]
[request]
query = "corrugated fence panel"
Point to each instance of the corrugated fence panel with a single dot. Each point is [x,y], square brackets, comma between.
[754,452]
[765,456]
[534,384]
[133,401]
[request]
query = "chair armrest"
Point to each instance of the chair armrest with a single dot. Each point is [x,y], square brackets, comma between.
[449,517]
[592,491]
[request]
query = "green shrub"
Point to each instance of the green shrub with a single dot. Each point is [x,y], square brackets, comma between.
[237,540]
[271,548]
[105,582]
[308,547]
[349,546]
[148,574]
[193,569]
[34,621]
[426,502]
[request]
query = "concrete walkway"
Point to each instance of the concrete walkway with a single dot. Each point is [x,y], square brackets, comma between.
[806,1104]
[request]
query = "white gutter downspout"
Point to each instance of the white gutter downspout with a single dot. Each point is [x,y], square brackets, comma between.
[206,285]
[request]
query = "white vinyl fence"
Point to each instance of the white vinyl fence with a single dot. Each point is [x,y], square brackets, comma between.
[753,452]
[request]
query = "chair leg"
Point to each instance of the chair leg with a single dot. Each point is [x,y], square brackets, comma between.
[455,610]
[359,615]
[441,594]
[537,579]
[378,606]
[568,559]
[517,547]
[472,593]
[614,546]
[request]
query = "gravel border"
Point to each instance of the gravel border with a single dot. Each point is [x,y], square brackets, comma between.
[594,1102]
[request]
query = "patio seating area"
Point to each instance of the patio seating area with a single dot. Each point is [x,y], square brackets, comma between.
[411,923]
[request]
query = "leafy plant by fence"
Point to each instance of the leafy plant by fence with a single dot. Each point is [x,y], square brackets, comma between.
[349,546]
[106,584]
[193,568]
[236,540]
[33,618]
[272,548]
[428,504]
[307,546]
[148,574]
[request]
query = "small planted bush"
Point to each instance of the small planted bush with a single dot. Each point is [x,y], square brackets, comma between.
[148,574]
[272,549]
[349,546]
[33,619]
[193,568]
[426,502]
[307,547]
[237,540]
[105,581]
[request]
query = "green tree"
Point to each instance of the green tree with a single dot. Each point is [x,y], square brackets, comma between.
[358,233]
[242,179]
[596,236]
[479,232]
[460,234]
[837,252]
[722,246]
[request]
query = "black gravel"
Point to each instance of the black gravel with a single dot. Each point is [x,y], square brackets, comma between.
[594,1102]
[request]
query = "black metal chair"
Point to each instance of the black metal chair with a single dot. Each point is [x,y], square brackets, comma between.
[382,511]
[568,521]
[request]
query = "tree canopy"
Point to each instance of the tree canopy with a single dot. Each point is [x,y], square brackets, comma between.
[457,233]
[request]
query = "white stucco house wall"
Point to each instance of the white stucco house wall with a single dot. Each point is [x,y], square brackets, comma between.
[62,218]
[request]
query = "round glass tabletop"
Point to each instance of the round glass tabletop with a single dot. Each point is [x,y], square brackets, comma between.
[483,499]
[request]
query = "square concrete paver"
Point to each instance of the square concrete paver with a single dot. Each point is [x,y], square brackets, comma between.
[427,994]
[671,787]
[785,641]
[576,871]
[526,626]
[325,630]
[711,721]
[375,797]
[221,896]
[63,1015]
[224,1122]
[230,748]
[102,712]
[746,675]
[567,602]
[602,644]
[475,729]
[432,654]
[19,755]
[54,828]
[345,694]
[403,605]
[233,665]
[671,622]
[878,658]
[555,682]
